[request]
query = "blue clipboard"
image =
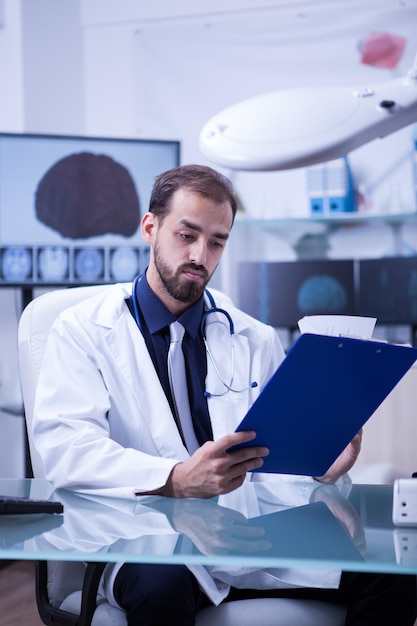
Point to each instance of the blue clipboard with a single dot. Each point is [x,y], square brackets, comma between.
[320,396]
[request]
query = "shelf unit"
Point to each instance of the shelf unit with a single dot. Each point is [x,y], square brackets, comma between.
[286,238]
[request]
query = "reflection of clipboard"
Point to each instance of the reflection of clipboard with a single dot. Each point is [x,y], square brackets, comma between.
[319,397]
[307,532]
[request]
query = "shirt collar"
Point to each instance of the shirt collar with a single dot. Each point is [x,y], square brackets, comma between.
[157,316]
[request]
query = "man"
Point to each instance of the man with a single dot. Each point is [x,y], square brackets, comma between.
[110,424]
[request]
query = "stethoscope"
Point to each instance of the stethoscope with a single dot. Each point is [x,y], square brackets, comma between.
[213,309]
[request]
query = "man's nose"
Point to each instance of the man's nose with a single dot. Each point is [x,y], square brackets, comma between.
[198,253]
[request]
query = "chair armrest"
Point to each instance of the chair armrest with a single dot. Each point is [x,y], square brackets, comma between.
[54,616]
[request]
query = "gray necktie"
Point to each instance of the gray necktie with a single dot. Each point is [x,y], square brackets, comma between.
[178,382]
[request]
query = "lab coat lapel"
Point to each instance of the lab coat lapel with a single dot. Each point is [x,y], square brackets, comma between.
[130,355]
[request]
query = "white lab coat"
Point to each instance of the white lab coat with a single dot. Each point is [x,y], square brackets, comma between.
[102,423]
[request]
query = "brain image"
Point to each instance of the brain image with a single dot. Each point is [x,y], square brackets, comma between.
[85,194]
[321,293]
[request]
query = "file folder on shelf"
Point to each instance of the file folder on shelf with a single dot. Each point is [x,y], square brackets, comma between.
[320,396]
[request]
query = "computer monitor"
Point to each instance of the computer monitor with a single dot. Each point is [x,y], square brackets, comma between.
[388,290]
[70,207]
[280,293]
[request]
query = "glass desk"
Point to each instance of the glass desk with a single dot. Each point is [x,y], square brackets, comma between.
[293,524]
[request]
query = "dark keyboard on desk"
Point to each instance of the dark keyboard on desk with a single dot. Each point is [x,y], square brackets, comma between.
[10,505]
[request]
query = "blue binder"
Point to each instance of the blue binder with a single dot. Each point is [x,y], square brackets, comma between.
[320,396]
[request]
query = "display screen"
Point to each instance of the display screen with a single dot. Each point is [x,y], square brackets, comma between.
[388,289]
[283,292]
[70,207]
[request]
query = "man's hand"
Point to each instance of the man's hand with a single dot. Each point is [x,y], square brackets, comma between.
[216,529]
[343,511]
[344,462]
[212,470]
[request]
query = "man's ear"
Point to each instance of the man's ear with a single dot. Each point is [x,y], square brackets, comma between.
[148,227]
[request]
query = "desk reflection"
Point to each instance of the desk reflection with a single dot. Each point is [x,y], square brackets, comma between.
[276,524]
[268,521]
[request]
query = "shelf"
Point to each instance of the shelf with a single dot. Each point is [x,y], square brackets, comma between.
[311,234]
[332,220]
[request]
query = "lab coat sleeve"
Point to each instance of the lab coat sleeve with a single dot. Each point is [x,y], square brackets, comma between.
[86,426]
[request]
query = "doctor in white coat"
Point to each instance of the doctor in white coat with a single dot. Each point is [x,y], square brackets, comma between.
[104,420]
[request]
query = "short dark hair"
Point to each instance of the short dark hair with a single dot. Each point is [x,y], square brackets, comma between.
[196,178]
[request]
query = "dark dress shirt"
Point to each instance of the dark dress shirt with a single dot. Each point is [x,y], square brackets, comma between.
[155,320]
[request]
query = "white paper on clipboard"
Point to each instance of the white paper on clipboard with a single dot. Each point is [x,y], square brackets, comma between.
[338,325]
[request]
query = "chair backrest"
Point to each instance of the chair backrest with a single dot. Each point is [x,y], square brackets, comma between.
[34,325]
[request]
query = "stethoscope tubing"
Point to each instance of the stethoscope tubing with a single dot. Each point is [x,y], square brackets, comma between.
[213,309]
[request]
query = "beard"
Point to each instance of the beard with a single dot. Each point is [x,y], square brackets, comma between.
[177,286]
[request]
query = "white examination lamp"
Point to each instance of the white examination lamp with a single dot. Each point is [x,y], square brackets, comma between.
[300,127]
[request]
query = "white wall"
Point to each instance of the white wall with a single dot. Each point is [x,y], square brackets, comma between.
[53,74]
[11,67]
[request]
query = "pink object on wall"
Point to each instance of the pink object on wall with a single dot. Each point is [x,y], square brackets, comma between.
[383,50]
